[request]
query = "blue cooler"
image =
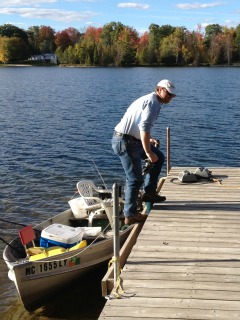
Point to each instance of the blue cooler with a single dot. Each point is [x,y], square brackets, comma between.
[60,235]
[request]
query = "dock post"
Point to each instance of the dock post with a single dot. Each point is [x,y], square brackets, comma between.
[116,243]
[168,150]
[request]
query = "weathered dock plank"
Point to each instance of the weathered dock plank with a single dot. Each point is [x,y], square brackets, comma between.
[186,261]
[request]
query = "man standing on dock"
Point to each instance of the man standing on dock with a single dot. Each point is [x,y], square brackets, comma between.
[132,142]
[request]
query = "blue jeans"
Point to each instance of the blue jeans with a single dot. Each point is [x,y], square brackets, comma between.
[131,154]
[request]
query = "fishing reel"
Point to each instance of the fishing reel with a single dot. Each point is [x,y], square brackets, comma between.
[147,167]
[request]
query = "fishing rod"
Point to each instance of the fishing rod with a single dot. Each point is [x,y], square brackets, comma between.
[7,243]
[99,173]
[16,223]
[12,247]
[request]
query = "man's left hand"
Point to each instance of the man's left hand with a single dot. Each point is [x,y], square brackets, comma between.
[155,142]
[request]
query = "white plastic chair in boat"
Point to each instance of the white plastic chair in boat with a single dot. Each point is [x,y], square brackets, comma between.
[93,204]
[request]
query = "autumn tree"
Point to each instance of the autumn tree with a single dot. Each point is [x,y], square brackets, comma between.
[228,44]
[126,46]
[171,47]
[74,35]
[168,51]
[221,47]
[89,49]
[211,31]
[14,44]
[9,30]
[193,49]
[142,53]
[33,33]
[157,34]
[67,37]
[46,39]
[178,36]
[212,41]
[3,49]
[154,43]
[110,33]
[200,55]
[165,31]
[68,56]
[62,40]
[237,43]
[13,49]
[215,52]
[109,39]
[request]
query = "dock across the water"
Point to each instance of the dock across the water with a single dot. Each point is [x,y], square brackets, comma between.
[186,261]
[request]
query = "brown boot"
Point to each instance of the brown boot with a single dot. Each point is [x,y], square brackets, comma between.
[135,218]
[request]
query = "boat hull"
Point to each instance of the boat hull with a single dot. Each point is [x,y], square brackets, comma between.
[36,281]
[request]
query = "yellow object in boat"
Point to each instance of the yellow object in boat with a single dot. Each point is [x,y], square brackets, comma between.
[53,251]
[35,250]
[38,256]
[47,252]
[42,253]
[80,245]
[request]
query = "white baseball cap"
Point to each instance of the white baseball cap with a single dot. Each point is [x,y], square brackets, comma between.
[168,85]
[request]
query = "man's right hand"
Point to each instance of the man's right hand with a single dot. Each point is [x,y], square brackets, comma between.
[152,156]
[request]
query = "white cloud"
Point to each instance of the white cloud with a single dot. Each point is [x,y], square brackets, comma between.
[35,3]
[226,23]
[90,1]
[51,14]
[205,24]
[231,23]
[13,3]
[133,5]
[198,5]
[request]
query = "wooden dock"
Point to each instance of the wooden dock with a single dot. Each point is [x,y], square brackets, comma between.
[186,261]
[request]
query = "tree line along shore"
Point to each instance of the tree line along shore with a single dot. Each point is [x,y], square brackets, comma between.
[116,44]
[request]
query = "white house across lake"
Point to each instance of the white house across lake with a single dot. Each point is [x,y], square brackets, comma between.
[45,57]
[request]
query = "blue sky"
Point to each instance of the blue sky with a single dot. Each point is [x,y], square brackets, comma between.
[61,14]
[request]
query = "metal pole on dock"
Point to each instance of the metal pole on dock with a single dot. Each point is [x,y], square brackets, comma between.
[168,150]
[116,243]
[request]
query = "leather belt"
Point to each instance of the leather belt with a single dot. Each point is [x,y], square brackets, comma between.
[123,135]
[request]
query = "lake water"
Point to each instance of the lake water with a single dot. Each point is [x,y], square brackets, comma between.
[56,128]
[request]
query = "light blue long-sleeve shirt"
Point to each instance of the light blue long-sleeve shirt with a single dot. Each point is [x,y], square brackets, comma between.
[140,116]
